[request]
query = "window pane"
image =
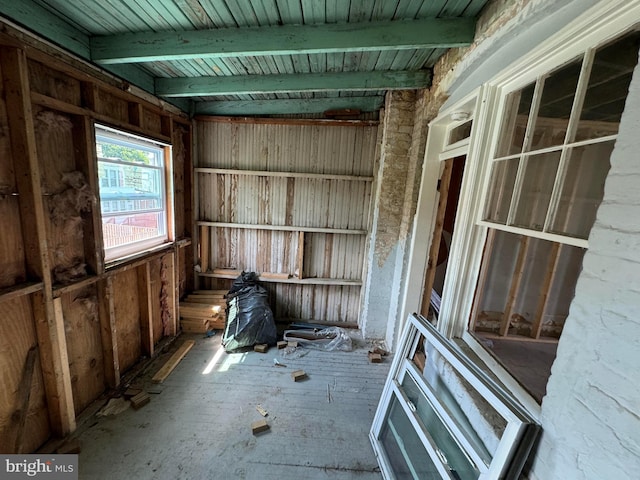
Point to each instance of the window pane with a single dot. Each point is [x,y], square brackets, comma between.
[503,178]
[533,202]
[555,107]
[132,192]
[514,125]
[405,452]
[608,86]
[460,132]
[452,454]
[582,189]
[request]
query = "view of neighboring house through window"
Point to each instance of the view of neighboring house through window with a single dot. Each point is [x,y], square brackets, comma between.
[132,180]
[547,181]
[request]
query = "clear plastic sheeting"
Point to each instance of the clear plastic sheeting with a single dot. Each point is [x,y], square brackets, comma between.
[249,317]
[328,339]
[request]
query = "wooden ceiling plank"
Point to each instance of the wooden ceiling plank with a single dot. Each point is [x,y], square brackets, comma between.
[283,40]
[313,82]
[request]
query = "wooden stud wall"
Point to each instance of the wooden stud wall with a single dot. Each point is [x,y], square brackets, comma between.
[71,326]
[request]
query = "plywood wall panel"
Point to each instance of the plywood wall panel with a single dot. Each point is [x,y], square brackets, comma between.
[12,264]
[17,336]
[127,310]
[156,287]
[84,346]
[53,83]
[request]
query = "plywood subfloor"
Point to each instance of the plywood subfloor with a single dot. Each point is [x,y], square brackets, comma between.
[529,362]
[199,426]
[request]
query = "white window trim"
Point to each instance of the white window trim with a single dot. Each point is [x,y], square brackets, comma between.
[115,255]
[603,22]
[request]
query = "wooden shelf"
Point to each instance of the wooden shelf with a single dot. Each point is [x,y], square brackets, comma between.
[282,228]
[296,281]
[19,290]
[267,173]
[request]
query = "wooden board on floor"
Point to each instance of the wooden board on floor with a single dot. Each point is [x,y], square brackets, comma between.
[162,374]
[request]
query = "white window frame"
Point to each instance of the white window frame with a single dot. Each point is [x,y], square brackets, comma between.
[520,430]
[115,255]
[595,27]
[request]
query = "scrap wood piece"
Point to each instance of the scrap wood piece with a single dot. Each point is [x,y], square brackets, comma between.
[375,357]
[168,367]
[261,410]
[259,426]
[282,344]
[261,348]
[24,395]
[298,375]
[140,400]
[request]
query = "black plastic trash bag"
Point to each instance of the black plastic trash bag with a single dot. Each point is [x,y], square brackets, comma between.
[249,317]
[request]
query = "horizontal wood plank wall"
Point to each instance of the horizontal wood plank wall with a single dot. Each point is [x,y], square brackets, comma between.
[55,292]
[289,197]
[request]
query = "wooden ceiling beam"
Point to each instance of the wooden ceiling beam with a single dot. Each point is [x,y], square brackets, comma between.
[287,106]
[283,40]
[307,82]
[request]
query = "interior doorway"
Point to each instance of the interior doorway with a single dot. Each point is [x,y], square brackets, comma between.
[449,186]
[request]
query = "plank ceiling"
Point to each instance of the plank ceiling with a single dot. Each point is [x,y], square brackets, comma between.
[235,57]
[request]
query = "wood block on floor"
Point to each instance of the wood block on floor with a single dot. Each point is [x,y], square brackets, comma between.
[292,344]
[375,357]
[282,344]
[140,400]
[259,426]
[132,392]
[298,375]
[261,348]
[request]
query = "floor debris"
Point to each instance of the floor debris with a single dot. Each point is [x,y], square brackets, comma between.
[259,426]
[298,375]
[140,400]
[261,410]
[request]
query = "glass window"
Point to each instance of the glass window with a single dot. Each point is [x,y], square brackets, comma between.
[575,112]
[132,192]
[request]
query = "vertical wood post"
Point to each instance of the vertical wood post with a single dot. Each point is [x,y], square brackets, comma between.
[108,332]
[204,248]
[552,267]
[515,285]
[146,308]
[48,316]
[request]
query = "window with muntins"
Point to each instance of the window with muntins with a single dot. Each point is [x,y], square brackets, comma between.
[556,137]
[133,194]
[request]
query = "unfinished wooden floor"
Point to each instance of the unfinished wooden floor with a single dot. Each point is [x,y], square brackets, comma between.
[199,425]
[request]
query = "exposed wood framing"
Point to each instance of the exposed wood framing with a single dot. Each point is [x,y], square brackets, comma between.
[205,243]
[36,85]
[306,82]
[24,395]
[300,256]
[430,274]
[49,322]
[283,40]
[482,277]
[552,268]
[288,106]
[108,332]
[146,308]
[516,280]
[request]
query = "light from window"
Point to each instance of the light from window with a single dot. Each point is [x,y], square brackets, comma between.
[132,180]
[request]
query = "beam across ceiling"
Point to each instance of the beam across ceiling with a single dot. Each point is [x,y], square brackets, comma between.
[306,82]
[287,106]
[283,40]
